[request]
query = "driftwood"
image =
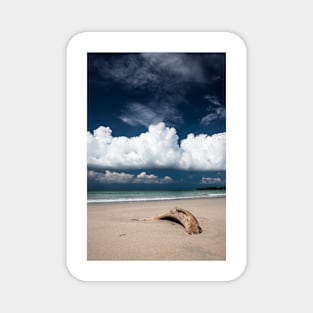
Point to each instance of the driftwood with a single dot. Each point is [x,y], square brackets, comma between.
[180,216]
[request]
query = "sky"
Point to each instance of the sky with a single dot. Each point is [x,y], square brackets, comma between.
[156,121]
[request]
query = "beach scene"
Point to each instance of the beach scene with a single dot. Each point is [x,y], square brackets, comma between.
[156,156]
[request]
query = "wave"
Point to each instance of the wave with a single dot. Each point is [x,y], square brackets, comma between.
[155,199]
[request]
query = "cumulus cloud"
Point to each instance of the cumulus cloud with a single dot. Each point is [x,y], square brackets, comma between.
[215,110]
[157,148]
[109,177]
[211,180]
[143,177]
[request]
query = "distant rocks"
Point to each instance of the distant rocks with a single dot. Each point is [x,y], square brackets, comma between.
[211,188]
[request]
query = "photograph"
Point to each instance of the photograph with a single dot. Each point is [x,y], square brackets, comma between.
[156,156]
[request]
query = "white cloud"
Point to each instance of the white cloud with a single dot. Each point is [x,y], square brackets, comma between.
[215,110]
[150,70]
[143,177]
[178,65]
[156,148]
[138,114]
[213,99]
[109,177]
[218,113]
[166,76]
[204,152]
[211,180]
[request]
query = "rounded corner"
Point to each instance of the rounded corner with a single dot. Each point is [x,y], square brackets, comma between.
[239,273]
[76,37]
[238,39]
[72,273]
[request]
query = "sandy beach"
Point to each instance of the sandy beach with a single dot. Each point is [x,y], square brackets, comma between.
[113,235]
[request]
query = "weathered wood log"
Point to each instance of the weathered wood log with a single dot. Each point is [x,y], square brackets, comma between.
[180,216]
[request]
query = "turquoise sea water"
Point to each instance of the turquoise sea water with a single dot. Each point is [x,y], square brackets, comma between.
[151,195]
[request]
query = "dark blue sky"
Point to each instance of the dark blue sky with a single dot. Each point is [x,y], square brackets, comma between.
[182,94]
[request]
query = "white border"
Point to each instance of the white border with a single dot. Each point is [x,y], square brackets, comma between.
[77,50]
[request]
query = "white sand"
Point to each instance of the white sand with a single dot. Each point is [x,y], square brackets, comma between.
[112,235]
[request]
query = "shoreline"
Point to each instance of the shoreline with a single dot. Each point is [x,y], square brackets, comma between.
[92,202]
[113,235]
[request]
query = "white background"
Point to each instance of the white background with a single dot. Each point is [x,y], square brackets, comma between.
[32,123]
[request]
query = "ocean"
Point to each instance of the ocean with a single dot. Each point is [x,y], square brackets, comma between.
[151,195]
